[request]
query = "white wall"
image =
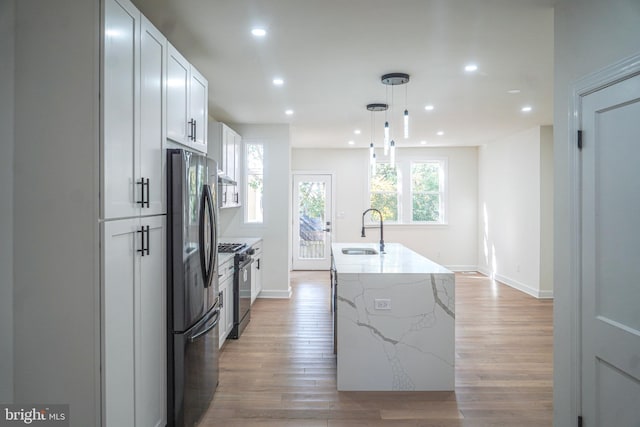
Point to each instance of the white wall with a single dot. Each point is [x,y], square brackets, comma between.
[453,245]
[56,268]
[276,228]
[589,35]
[546,209]
[509,239]
[7,11]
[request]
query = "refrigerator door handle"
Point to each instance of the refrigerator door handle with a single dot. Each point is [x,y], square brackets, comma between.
[208,328]
[207,258]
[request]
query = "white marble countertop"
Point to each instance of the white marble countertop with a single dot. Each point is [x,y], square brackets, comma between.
[396,259]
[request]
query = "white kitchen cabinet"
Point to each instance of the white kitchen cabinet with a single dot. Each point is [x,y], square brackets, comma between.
[134,322]
[256,271]
[187,108]
[225,286]
[227,151]
[134,72]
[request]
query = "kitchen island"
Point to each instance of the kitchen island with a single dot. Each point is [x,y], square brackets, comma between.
[395,319]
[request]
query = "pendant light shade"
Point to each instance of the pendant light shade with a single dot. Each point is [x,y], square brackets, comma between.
[406,124]
[386,138]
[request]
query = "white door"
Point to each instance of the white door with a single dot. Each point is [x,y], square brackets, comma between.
[312,222]
[151,327]
[610,264]
[121,271]
[120,97]
[177,96]
[150,155]
[198,88]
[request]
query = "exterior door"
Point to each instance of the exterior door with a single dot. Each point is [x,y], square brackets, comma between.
[312,222]
[610,251]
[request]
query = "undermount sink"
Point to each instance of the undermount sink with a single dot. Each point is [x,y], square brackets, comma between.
[359,251]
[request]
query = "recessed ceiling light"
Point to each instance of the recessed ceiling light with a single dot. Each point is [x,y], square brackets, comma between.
[470,68]
[351,142]
[259,32]
[423,142]
[526,109]
[513,91]
[357,131]
[428,107]
[278,81]
[440,133]
[289,112]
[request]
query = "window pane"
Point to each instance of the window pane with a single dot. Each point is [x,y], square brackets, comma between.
[425,177]
[312,198]
[426,207]
[387,203]
[384,191]
[385,179]
[255,163]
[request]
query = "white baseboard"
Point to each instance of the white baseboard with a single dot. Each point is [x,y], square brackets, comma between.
[536,293]
[460,268]
[266,293]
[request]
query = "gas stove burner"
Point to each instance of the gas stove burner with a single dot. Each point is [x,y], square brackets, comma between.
[231,247]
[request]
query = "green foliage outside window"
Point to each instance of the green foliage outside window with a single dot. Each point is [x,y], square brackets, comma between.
[384,191]
[312,199]
[426,192]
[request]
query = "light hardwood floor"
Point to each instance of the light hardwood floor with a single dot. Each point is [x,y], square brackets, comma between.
[281,372]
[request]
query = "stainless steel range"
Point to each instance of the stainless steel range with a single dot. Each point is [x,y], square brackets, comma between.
[242,260]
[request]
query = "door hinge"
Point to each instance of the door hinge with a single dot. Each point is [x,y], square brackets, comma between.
[579,140]
[579,420]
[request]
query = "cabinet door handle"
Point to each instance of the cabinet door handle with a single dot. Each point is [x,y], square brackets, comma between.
[141,250]
[195,129]
[236,197]
[148,241]
[148,190]
[258,264]
[221,298]
[142,185]
[190,136]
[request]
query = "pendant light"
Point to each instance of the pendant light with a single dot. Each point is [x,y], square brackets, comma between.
[372,148]
[395,79]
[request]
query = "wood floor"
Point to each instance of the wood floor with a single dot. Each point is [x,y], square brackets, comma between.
[281,372]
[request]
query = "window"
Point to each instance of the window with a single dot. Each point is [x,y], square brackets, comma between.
[254,182]
[424,203]
[427,192]
[383,191]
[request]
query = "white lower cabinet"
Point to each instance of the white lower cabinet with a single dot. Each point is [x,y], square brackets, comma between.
[256,271]
[134,347]
[226,300]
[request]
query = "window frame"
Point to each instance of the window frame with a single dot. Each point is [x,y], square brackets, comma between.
[405,192]
[248,172]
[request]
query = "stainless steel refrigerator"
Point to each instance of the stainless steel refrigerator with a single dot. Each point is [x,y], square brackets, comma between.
[192,286]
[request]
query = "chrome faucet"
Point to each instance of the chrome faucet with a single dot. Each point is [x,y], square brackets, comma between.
[381,232]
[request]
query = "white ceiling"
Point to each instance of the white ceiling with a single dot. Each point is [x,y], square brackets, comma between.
[332,53]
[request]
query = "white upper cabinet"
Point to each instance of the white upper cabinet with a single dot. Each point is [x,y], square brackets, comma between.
[227,150]
[199,88]
[133,93]
[187,109]
[153,54]
[177,96]
[120,97]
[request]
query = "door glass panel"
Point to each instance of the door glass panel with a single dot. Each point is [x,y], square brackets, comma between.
[312,200]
